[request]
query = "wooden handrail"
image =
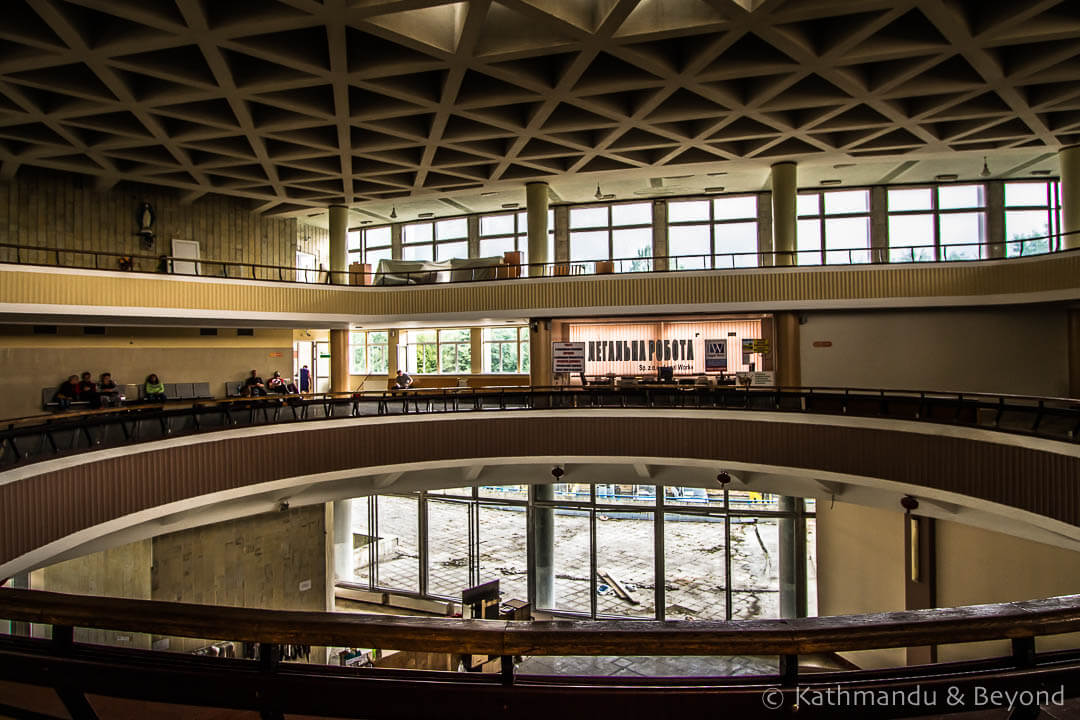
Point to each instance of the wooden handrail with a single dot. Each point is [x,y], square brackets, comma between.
[971,623]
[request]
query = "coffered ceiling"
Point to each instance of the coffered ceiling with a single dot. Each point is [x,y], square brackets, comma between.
[298,104]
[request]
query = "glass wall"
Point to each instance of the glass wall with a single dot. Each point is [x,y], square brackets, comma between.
[616,550]
[929,223]
[718,233]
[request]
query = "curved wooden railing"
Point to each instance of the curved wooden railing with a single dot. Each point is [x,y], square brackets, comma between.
[911,628]
[81,672]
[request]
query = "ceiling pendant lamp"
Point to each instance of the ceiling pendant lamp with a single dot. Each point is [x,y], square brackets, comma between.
[393,213]
[985,172]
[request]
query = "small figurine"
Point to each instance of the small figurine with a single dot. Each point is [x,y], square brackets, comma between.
[145,218]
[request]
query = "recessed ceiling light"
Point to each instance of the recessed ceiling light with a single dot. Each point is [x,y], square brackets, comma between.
[489,193]
[1040,172]
[509,206]
[841,166]
[677,177]
[832,181]
[426,215]
[714,174]
[365,222]
[946,177]
[715,189]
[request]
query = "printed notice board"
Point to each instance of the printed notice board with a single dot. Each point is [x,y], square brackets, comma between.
[568,357]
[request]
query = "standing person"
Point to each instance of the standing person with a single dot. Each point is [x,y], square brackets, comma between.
[108,391]
[88,390]
[402,381]
[68,392]
[305,379]
[154,389]
[254,385]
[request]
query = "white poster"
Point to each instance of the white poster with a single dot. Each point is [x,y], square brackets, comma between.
[716,355]
[568,357]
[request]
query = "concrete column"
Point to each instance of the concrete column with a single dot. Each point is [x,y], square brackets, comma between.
[392,339]
[343,540]
[540,352]
[764,230]
[1069,159]
[536,202]
[20,581]
[784,189]
[395,241]
[473,224]
[562,233]
[879,225]
[339,246]
[786,352]
[476,347]
[1074,353]
[920,576]
[792,542]
[659,235]
[544,543]
[339,361]
[995,219]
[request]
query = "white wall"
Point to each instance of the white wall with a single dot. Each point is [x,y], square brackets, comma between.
[861,570]
[860,556]
[976,566]
[1021,350]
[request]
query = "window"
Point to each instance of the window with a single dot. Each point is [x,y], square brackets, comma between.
[912,225]
[721,233]
[936,223]
[368,353]
[622,233]
[506,350]
[505,232]
[377,245]
[437,241]
[962,222]
[833,227]
[439,351]
[1032,220]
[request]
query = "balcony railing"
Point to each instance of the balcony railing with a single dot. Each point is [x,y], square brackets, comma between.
[274,688]
[40,437]
[233,270]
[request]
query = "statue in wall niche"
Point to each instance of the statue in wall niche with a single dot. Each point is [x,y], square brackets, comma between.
[145,217]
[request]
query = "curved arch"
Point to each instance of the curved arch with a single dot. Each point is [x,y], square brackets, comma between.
[53,507]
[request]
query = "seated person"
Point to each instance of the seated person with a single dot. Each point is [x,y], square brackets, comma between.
[108,391]
[290,388]
[68,392]
[254,385]
[154,389]
[88,391]
[277,384]
[402,381]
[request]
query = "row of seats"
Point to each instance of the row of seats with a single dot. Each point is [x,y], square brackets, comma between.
[132,393]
